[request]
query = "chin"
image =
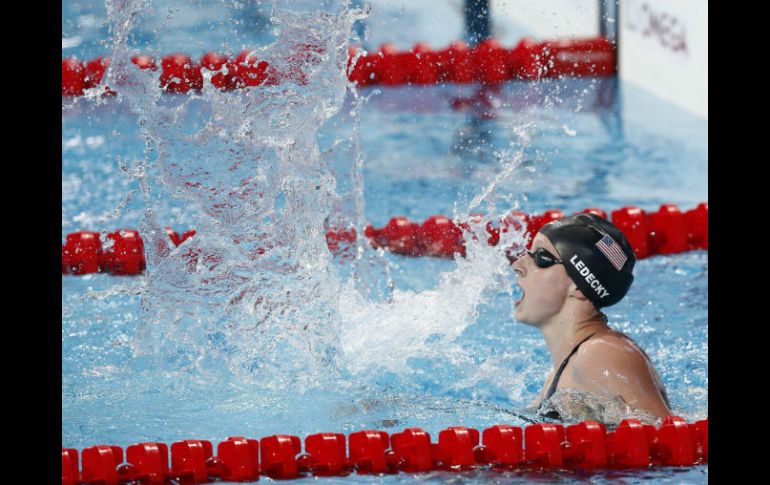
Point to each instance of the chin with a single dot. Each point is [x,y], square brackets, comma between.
[521,318]
[526,320]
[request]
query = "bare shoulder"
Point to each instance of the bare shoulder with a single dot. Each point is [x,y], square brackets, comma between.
[609,350]
[612,363]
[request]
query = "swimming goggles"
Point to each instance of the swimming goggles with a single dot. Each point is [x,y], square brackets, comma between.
[543,259]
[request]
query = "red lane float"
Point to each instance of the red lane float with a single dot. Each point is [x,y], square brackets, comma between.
[628,446]
[586,445]
[542,445]
[413,449]
[368,451]
[700,434]
[247,70]
[69,466]
[176,238]
[81,253]
[180,74]
[214,62]
[530,60]
[326,455]
[674,444]
[492,62]
[191,460]
[100,464]
[632,221]
[238,459]
[578,57]
[399,235]
[338,240]
[582,446]
[125,256]
[278,456]
[147,462]
[455,64]
[667,231]
[456,447]
[143,62]
[72,77]
[488,63]
[697,221]
[503,446]
[537,221]
[440,236]
[94,70]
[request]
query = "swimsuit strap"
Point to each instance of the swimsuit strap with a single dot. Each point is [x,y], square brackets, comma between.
[557,376]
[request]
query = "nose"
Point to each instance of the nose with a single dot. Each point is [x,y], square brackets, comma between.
[519,266]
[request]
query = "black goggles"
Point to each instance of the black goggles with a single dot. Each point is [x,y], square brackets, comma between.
[543,259]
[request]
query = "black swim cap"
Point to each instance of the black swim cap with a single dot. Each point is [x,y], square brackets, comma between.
[596,255]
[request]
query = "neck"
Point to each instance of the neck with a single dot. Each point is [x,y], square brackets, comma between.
[564,332]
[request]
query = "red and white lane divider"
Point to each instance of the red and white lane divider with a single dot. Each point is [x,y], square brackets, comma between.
[583,446]
[488,63]
[667,231]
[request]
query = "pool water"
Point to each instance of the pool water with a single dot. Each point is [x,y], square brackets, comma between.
[411,341]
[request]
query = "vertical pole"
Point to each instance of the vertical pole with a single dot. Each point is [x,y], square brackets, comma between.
[609,23]
[476,21]
[608,19]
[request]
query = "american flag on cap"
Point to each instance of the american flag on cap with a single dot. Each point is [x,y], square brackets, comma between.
[612,250]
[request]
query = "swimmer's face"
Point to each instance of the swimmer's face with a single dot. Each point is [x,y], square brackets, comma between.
[544,289]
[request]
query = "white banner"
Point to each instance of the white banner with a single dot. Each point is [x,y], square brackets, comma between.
[543,19]
[664,49]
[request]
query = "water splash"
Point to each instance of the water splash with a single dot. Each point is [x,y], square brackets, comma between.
[256,293]
[576,406]
[255,286]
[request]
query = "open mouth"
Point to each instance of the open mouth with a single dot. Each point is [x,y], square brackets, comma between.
[519,300]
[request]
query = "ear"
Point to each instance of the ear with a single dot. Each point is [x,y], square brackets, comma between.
[575,292]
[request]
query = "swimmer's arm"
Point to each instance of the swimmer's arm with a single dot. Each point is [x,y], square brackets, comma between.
[606,366]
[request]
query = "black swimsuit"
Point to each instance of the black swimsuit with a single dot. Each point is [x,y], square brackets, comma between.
[553,414]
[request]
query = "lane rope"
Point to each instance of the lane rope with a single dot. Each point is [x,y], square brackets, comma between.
[538,447]
[487,63]
[666,231]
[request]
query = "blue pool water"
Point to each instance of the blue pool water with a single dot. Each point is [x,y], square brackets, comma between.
[143,359]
